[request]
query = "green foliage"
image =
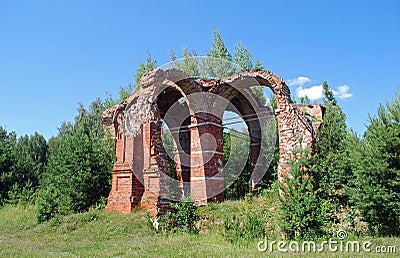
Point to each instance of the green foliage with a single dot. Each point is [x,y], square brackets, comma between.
[184,216]
[125,91]
[143,68]
[99,233]
[259,94]
[270,146]
[253,220]
[328,93]
[243,57]
[219,64]
[246,225]
[332,160]
[22,162]
[376,189]
[239,142]
[79,166]
[7,145]
[190,65]
[258,65]
[168,144]
[218,49]
[305,100]
[302,215]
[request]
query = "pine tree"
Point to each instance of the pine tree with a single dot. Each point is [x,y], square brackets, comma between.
[219,64]
[189,64]
[22,162]
[376,191]
[79,167]
[29,163]
[7,145]
[143,68]
[331,162]
[218,48]
[243,57]
[301,214]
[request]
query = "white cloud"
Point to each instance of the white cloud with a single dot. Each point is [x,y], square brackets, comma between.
[343,92]
[317,92]
[299,81]
[313,93]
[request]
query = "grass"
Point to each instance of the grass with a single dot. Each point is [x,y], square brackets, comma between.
[99,233]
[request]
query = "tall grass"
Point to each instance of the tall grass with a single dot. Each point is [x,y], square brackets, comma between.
[98,233]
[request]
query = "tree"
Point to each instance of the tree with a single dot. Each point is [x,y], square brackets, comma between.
[239,142]
[125,91]
[22,162]
[328,94]
[29,163]
[189,64]
[243,57]
[376,189]
[218,49]
[7,145]
[143,68]
[79,167]
[302,213]
[219,64]
[331,162]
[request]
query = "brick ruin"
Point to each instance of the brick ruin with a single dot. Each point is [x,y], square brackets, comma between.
[141,173]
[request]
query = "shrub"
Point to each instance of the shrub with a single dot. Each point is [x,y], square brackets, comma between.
[303,214]
[184,216]
[254,219]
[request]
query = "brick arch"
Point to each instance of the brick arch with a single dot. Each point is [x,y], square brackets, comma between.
[255,121]
[140,174]
[294,129]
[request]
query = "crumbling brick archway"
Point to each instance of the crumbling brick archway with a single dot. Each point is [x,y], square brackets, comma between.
[141,171]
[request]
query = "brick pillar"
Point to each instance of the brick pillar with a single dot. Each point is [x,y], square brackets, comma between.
[127,189]
[207,176]
[156,170]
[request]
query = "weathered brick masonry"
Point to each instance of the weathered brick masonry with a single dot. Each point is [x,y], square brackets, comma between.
[141,171]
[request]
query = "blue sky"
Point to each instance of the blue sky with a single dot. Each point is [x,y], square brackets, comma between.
[55,54]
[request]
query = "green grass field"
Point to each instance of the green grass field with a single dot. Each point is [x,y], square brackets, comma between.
[109,234]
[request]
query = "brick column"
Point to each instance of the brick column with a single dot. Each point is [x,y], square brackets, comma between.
[207,176]
[156,170]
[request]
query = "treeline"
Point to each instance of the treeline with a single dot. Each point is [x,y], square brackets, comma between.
[69,173]
[22,163]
